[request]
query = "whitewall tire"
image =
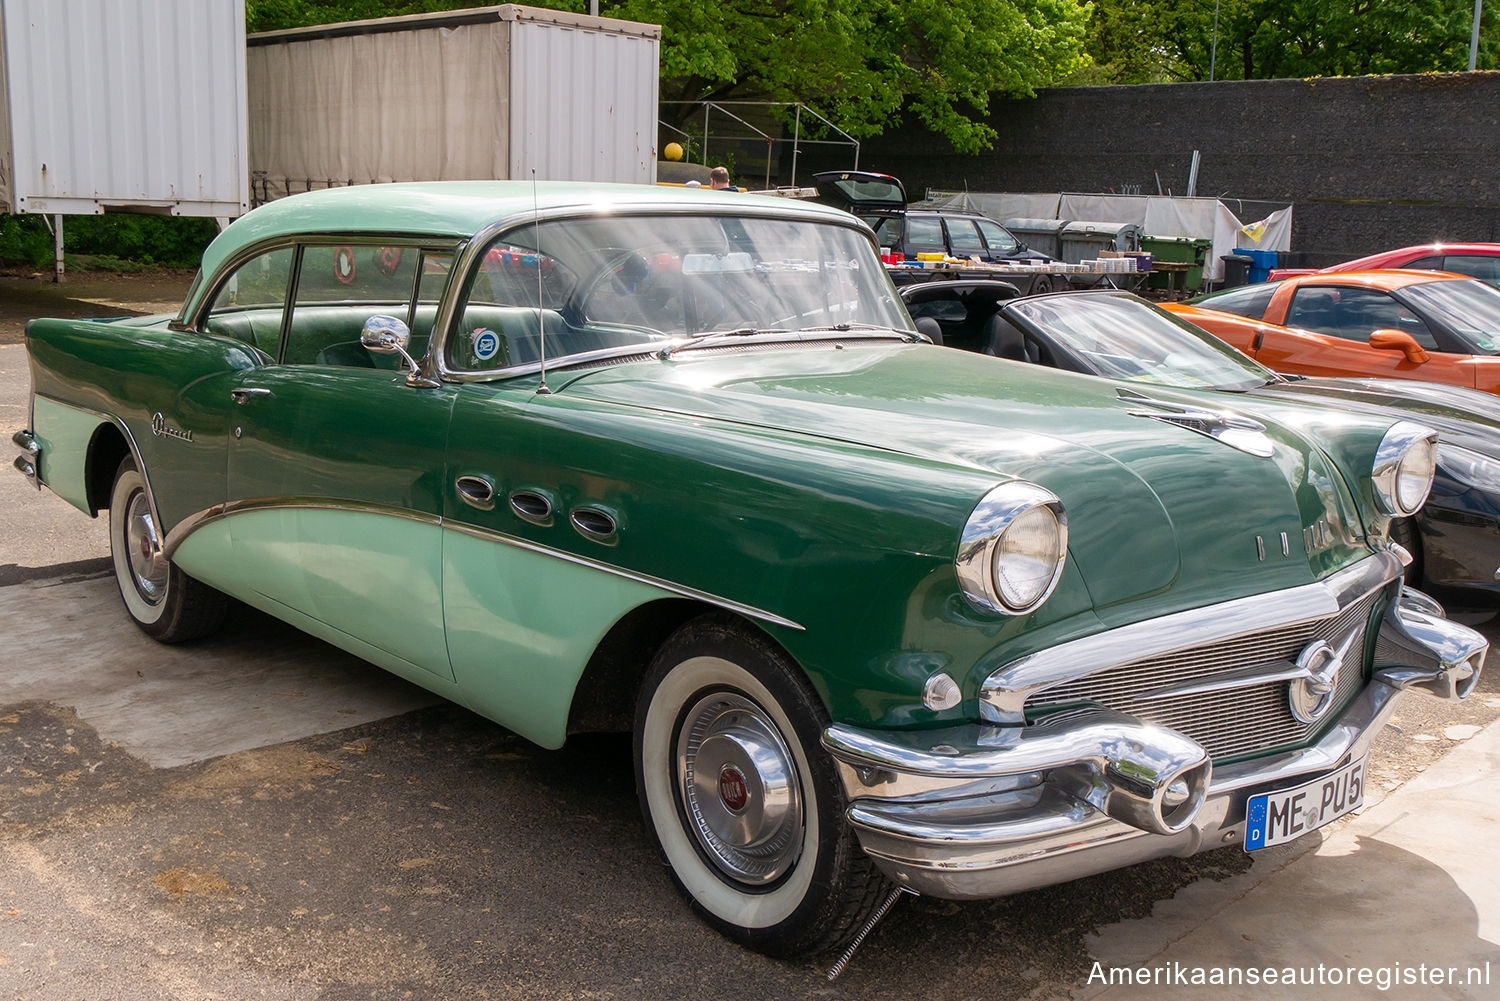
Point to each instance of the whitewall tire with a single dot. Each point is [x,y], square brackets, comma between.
[740,797]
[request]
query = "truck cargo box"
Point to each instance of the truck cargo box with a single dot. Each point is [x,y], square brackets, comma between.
[488,93]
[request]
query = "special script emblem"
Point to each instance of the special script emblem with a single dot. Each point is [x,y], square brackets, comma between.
[160,429]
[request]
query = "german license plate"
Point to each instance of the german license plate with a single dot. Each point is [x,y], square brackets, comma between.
[1274,818]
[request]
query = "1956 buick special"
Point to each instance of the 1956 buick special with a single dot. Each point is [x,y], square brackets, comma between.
[589,458]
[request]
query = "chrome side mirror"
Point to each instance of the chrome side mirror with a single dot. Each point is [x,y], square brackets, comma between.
[387,335]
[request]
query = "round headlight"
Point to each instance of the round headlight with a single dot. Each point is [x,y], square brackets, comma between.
[1404,466]
[1013,548]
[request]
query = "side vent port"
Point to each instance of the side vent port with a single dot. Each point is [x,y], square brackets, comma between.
[532,507]
[595,525]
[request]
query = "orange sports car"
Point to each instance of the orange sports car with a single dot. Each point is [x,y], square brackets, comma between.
[1427,325]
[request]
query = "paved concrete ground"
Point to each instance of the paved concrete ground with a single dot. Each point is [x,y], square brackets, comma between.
[261,816]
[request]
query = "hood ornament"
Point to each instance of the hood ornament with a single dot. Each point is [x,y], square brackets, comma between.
[1237,432]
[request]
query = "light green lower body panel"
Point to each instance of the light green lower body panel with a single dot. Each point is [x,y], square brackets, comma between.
[521,629]
[208,555]
[63,434]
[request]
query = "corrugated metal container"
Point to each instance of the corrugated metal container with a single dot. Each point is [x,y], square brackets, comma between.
[123,106]
[493,92]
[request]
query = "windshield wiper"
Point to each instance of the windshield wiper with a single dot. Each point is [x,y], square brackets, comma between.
[694,340]
[714,335]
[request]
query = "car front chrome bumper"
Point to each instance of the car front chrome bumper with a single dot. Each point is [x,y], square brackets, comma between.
[987,810]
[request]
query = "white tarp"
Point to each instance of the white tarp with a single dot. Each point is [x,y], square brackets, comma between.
[1157,215]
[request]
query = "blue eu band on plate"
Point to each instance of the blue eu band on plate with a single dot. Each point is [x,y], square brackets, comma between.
[1278,817]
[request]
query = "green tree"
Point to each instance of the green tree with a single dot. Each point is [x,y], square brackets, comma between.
[859,62]
[1143,41]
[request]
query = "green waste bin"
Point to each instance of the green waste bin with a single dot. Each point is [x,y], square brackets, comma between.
[1177,250]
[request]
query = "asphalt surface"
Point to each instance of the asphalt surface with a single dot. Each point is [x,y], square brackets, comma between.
[154,846]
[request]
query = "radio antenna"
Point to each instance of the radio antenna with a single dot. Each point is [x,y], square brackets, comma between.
[541,321]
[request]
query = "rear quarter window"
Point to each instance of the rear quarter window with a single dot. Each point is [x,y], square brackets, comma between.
[1250,301]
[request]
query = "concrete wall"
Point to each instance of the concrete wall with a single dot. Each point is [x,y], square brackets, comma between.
[1371,163]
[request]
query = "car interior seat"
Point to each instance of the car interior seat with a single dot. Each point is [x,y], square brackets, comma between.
[1004,340]
[931,328]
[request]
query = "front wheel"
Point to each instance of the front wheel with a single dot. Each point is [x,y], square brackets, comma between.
[166,603]
[741,799]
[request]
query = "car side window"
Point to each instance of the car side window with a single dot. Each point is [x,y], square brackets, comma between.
[998,237]
[339,287]
[1484,268]
[1251,301]
[924,231]
[249,306]
[963,237]
[514,297]
[1353,314]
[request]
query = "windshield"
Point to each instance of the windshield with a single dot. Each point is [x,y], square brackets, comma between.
[1123,337]
[1470,308]
[622,281]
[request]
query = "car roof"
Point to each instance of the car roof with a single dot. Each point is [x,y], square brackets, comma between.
[1388,279]
[964,212]
[1404,254]
[458,209]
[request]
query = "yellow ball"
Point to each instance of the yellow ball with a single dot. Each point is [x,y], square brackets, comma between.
[673,151]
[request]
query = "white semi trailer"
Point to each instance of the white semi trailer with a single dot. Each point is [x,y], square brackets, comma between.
[122,106]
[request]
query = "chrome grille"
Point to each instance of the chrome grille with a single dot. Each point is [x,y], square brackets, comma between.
[1234,721]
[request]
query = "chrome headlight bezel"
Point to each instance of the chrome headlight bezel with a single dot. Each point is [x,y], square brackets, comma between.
[980,546]
[1474,470]
[1404,450]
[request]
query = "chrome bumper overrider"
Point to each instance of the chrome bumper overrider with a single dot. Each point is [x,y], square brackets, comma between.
[26,462]
[986,810]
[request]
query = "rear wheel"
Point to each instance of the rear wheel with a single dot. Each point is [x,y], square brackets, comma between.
[166,603]
[741,799]
[1041,286]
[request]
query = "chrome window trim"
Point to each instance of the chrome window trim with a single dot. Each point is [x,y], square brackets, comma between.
[1003,694]
[436,364]
[185,528]
[201,295]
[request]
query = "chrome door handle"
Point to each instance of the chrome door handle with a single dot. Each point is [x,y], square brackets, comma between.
[243,396]
[476,491]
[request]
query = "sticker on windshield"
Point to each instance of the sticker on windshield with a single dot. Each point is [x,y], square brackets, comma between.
[486,343]
[1487,343]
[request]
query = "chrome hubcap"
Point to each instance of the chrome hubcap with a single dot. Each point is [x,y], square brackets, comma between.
[148,568]
[739,788]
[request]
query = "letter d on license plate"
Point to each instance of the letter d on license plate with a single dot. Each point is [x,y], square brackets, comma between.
[1274,818]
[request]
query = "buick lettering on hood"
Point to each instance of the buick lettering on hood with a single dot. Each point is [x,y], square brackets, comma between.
[879,614]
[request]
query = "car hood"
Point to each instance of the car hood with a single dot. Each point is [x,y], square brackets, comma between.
[1461,416]
[1150,504]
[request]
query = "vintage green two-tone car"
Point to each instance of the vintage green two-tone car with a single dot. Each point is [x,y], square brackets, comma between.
[877,612]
